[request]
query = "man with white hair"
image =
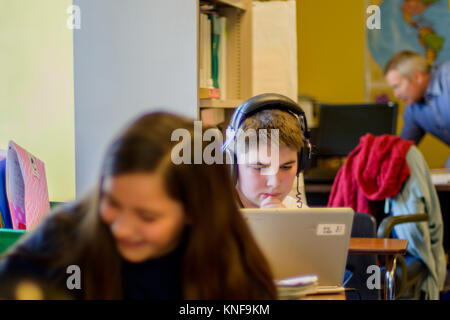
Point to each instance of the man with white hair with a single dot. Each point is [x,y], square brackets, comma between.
[426,91]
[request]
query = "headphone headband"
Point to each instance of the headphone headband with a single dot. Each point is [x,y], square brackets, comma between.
[266,101]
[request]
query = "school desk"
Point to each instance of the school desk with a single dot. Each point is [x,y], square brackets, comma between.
[383,246]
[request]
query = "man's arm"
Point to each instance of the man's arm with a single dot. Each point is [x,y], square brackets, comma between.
[410,130]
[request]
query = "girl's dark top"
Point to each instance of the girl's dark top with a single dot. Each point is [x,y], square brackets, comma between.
[156,279]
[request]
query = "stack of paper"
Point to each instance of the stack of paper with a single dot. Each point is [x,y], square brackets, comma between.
[274,48]
[440,176]
[297,287]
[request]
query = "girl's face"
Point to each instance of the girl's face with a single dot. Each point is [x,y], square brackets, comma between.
[260,191]
[145,222]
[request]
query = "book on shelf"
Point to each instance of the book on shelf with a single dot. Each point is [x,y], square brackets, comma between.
[222,81]
[215,42]
[205,51]
[23,189]
[212,54]
[209,93]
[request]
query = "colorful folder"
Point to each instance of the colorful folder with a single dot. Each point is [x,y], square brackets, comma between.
[26,188]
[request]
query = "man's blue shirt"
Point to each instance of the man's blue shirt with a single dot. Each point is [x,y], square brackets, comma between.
[432,114]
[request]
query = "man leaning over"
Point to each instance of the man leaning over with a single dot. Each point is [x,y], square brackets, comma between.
[426,92]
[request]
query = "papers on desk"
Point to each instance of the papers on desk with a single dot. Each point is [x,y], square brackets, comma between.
[440,176]
[297,287]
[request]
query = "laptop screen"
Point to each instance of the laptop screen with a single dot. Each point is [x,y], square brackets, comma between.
[303,241]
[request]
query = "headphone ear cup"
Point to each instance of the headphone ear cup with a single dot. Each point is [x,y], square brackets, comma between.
[234,173]
[303,158]
[300,162]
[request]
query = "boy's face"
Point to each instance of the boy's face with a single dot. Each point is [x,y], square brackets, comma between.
[257,190]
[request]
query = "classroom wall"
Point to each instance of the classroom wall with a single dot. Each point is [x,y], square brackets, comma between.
[130,57]
[65,93]
[331,63]
[331,50]
[36,87]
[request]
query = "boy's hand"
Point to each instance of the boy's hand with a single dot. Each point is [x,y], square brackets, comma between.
[271,202]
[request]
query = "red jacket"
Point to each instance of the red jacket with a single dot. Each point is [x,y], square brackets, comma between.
[375,170]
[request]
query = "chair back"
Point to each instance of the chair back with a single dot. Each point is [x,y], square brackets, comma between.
[364,226]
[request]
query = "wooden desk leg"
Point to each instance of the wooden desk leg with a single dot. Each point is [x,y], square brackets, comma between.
[389,281]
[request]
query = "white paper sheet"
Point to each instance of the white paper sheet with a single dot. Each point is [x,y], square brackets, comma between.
[275,48]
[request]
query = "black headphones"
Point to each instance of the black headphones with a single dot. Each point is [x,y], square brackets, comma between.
[257,104]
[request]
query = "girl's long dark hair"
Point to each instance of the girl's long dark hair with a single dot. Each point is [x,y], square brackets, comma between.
[221,259]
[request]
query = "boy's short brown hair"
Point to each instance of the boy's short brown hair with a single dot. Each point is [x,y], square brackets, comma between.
[289,131]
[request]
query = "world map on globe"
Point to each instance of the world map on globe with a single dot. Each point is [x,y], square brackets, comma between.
[418,25]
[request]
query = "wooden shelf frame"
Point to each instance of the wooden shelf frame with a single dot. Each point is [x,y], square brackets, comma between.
[221,104]
[239,4]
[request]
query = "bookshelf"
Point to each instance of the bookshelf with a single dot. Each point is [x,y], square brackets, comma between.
[238,57]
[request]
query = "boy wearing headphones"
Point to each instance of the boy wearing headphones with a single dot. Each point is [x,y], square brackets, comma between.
[256,185]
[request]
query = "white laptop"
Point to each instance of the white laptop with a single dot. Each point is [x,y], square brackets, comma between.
[304,241]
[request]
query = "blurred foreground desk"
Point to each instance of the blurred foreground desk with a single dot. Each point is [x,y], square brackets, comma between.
[388,247]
